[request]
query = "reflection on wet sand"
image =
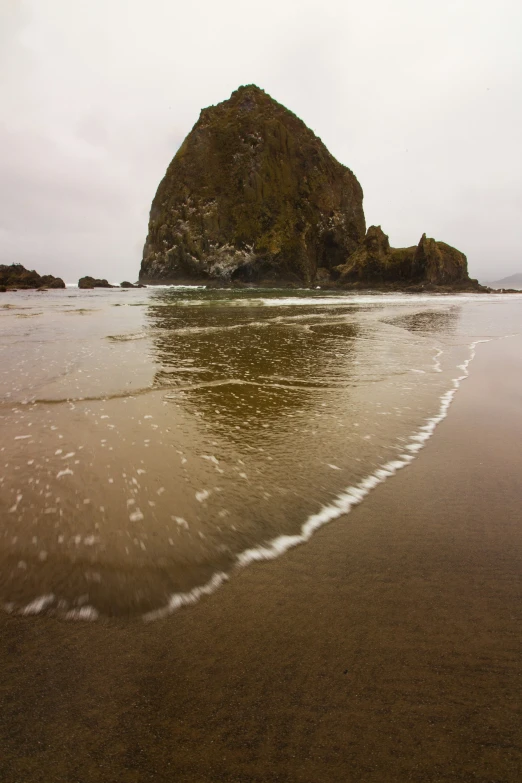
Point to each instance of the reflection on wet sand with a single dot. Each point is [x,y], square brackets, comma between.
[249,376]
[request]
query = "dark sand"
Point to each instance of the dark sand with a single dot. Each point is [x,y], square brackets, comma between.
[387,649]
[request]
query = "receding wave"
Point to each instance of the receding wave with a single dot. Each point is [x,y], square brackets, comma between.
[342,504]
[340,300]
[123,338]
[162,287]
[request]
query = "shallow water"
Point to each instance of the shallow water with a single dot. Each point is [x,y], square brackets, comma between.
[154,441]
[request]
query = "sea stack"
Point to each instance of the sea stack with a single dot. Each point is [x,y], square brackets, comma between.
[252,196]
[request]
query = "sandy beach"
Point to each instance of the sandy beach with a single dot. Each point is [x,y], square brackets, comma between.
[386,649]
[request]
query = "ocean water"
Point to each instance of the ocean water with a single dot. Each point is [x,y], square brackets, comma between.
[156,441]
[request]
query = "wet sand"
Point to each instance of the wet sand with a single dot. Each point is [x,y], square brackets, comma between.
[386,649]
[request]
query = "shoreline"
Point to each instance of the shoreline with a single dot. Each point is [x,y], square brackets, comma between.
[387,648]
[356,287]
[224,285]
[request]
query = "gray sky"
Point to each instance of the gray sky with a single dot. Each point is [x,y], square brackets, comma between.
[421,99]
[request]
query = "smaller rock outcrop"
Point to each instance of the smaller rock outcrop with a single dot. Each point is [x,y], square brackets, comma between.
[126,284]
[49,281]
[430,265]
[440,263]
[93,282]
[14,276]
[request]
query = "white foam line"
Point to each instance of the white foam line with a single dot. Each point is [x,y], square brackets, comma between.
[185,599]
[342,504]
[153,287]
[339,299]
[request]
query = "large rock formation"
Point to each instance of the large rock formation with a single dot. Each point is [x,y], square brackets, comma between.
[17,276]
[253,196]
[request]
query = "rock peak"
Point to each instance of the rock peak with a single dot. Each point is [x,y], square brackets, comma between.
[253,88]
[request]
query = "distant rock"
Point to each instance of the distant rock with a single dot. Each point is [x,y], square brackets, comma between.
[91,282]
[510,283]
[126,284]
[17,276]
[252,196]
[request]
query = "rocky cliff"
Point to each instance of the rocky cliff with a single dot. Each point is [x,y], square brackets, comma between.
[253,196]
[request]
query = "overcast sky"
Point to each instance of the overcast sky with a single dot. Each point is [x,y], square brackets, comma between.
[421,99]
